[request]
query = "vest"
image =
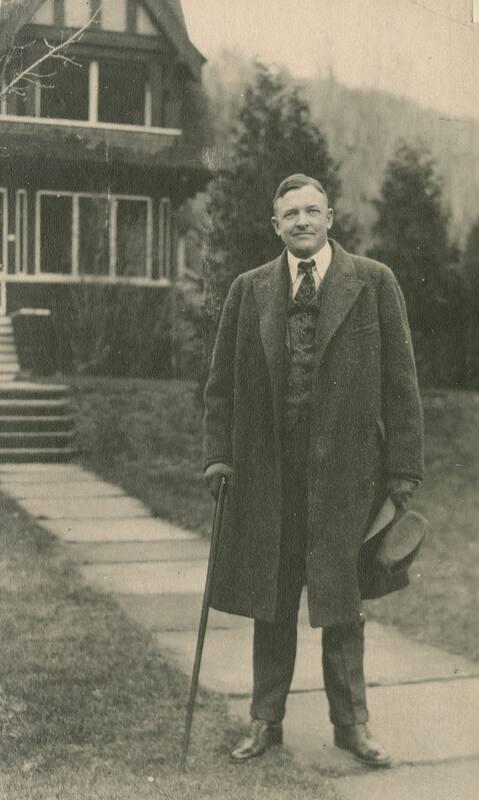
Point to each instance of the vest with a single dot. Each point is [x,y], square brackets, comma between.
[301,334]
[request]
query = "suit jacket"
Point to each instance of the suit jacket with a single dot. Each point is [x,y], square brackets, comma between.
[366,426]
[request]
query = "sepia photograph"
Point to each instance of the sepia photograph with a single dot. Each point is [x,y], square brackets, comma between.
[239,399]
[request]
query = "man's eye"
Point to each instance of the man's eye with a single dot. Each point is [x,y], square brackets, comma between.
[314,211]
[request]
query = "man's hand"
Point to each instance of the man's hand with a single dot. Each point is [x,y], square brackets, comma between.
[213,475]
[400,490]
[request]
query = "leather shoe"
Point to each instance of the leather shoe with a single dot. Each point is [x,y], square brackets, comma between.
[262,735]
[358,740]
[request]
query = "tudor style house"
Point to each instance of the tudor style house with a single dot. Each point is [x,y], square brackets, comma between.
[98,148]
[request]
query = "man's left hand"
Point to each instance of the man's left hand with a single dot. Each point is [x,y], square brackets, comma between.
[400,490]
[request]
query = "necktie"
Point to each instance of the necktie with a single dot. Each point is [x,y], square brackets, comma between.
[307,291]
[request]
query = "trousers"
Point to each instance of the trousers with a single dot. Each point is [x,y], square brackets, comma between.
[274,644]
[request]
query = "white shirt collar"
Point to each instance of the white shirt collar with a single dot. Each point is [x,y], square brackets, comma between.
[322,261]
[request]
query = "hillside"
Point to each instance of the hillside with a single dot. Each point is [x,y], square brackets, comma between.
[363,130]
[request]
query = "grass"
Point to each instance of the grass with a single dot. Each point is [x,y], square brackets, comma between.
[146,435]
[88,710]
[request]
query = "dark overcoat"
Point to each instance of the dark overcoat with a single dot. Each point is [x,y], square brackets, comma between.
[366,426]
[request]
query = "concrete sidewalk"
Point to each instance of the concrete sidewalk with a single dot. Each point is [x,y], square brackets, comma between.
[423,701]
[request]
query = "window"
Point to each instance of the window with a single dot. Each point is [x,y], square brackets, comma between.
[94,235]
[131,238]
[65,90]
[94,239]
[3,230]
[21,231]
[56,233]
[165,238]
[121,93]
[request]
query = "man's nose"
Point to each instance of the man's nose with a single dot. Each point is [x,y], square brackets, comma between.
[302,219]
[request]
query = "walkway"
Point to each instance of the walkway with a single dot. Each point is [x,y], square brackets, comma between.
[423,701]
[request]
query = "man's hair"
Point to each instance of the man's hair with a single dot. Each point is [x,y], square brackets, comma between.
[297,181]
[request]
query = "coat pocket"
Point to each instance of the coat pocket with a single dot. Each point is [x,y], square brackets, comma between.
[372,327]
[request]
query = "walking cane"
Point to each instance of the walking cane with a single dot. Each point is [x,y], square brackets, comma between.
[217,522]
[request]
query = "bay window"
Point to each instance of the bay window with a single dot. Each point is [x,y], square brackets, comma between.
[94,235]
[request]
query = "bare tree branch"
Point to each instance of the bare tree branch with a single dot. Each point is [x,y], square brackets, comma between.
[52,52]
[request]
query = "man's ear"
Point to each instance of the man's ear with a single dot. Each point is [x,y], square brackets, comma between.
[275,223]
[330,218]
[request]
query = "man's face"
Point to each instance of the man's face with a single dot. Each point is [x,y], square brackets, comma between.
[302,219]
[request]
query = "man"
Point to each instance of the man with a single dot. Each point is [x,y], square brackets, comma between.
[314,417]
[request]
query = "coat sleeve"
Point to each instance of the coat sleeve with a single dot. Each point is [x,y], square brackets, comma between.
[219,390]
[401,403]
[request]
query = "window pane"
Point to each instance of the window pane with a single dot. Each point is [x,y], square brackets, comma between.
[44,15]
[122,93]
[56,234]
[2,232]
[113,15]
[78,12]
[94,245]
[21,232]
[65,91]
[165,238]
[131,225]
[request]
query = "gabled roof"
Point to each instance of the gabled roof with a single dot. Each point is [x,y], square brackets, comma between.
[167,13]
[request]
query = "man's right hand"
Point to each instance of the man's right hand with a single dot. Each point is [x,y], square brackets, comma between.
[213,475]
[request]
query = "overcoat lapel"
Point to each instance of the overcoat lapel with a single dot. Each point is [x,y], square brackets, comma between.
[271,293]
[340,291]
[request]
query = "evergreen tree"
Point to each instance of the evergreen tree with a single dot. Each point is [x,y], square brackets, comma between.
[274,136]
[411,234]
[471,275]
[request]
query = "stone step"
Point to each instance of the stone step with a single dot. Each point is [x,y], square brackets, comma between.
[32,439]
[41,424]
[44,408]
[26,455]
[7,347]
[8,357]
[7,377]
[32,391]
[96,509]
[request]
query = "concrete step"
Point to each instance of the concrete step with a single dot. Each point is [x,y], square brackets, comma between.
[6,377]
[19,440]
[8,358]
[32,391]
[40,424]
[7,347]
[27,455]
[37,408]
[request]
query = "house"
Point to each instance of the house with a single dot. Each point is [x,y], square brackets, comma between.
[100,144]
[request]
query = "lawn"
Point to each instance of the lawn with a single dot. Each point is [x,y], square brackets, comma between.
[146,435]
[89,711]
